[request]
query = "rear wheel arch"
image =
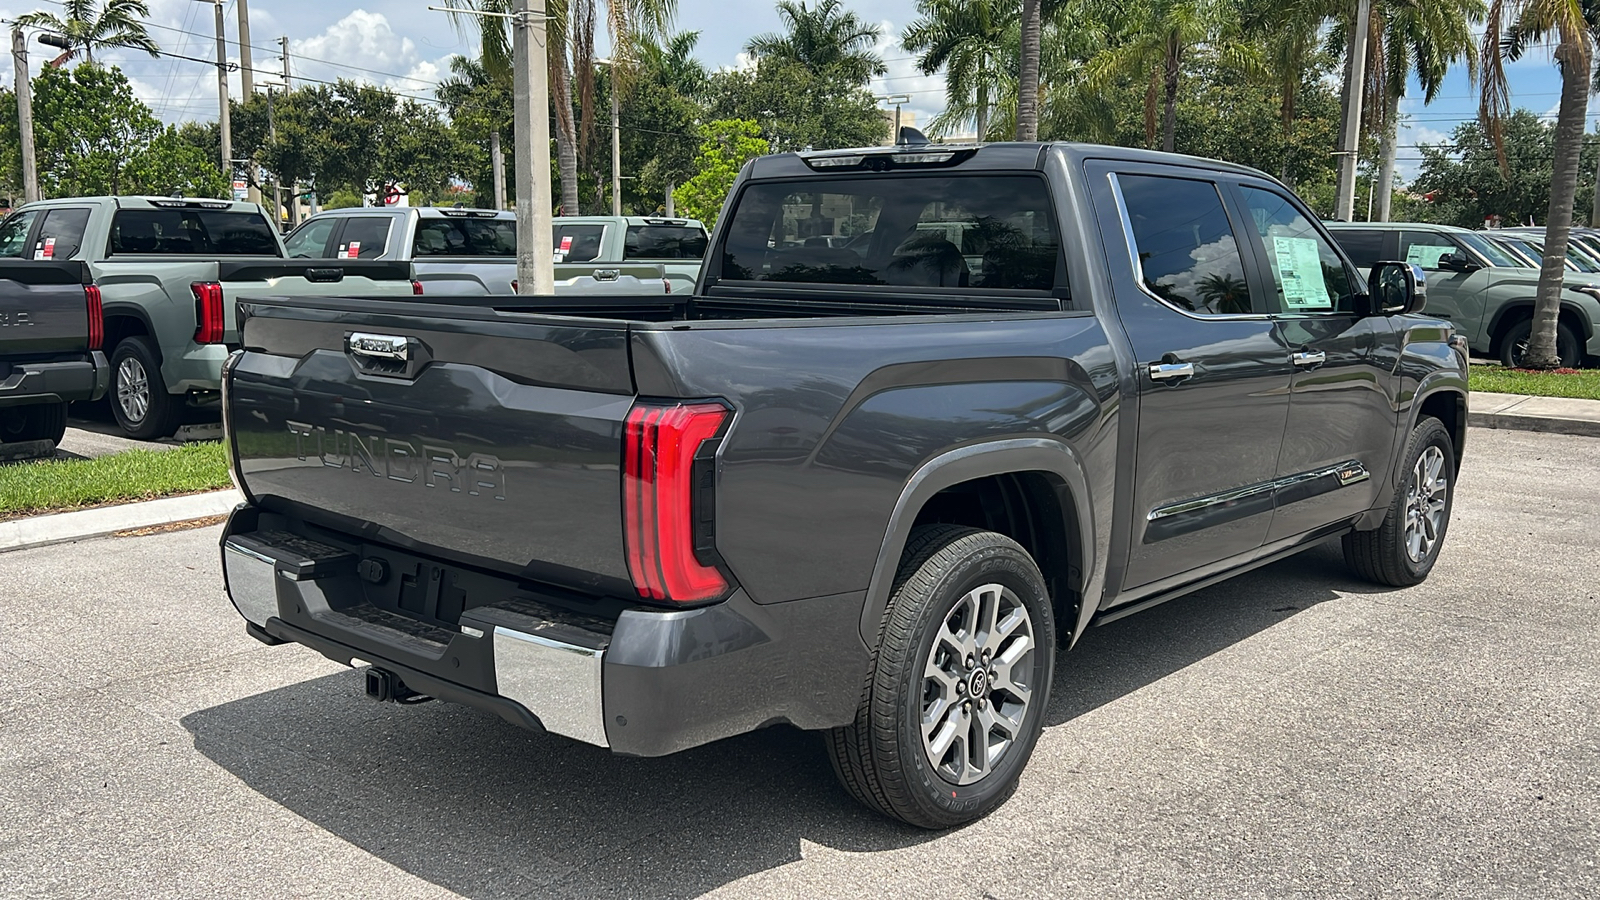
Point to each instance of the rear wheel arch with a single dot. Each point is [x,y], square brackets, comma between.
[123,322]
[1513,314]
[1032,490]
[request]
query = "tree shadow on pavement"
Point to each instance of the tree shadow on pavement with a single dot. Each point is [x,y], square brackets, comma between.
[472,804]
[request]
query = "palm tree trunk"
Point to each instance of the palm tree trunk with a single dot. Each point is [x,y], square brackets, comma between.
[1575,58]
[566,134]
[1028,75]
[983,113]
[1391,136]
[1169,112]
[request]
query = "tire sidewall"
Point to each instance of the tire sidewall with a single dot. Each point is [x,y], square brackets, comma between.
[1011,567]
[157,412]
[1568,348]
[1429,433]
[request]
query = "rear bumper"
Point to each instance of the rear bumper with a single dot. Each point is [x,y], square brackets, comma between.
[643,683]
[68,380]
[197,368]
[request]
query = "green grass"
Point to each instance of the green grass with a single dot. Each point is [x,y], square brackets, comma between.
[52,485]
[1583,384]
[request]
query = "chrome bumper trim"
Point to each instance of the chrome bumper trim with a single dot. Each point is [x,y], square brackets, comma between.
[556,681]
[252,580]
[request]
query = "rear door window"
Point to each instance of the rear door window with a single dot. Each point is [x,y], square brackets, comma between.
[199,232]
[61,234]
[956,231]
[664,242]
[310,241]
[364,237]
[1188,254]
[1364,247]
[578,243]
[14,234]
[465,237]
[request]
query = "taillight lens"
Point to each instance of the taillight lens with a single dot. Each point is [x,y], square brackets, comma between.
[668,283]
[97,317]
[416,288]
[667,501]
[209,326]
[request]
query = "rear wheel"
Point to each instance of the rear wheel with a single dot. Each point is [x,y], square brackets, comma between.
[36,422]
[1401,552]
[1514,348]
[139,397]
[955,700]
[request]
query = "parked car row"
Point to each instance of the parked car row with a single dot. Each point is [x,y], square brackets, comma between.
[168,273]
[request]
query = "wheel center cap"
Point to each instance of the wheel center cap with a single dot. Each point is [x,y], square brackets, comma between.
[978,683]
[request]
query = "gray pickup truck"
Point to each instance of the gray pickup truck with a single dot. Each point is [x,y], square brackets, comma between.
[458,252]
[677,245]
[168,269]
[51,329]
[869,490]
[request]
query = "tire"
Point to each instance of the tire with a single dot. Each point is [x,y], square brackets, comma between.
[926,777]
[1569,350]
[1400,553]
[36,422]
[138,396]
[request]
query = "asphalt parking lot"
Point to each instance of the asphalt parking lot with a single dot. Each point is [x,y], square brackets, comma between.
[1288,733]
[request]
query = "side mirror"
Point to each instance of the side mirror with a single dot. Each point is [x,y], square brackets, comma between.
[1397,288]
[1456,262]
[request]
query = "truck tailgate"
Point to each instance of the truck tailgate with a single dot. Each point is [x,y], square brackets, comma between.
[489,437]
[42,308]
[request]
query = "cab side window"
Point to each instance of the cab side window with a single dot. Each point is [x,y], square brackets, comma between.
[1307,272]
[14,235]
[1425,249]
[364,237]
[1365,248]
[1187,252]
[310,241]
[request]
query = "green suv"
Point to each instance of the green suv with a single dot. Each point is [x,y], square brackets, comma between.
[1481,287]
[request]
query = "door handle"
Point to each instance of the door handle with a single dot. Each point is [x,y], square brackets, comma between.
[1171,371]
[1308,359]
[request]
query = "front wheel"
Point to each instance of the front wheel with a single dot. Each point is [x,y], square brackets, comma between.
[1514,348]
[955,700]
[1401,551]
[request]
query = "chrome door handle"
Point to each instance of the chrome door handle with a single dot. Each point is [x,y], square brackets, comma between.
[1308,359]
[1171,371]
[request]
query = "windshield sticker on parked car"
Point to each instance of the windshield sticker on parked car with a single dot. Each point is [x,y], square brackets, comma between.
[1300,273]
[46,250]
[1427,255]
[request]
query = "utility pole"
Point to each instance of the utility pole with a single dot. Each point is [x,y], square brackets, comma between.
[535,251]
[1344,209]
[616,141]
[30,161]
[222,93]
[497,161]
[247,78]
[283,43]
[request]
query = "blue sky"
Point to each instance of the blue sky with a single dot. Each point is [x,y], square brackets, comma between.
[403,45]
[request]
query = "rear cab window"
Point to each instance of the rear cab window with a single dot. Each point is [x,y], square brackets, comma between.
[188,231]
[962,232]
[450,236]
[664,242]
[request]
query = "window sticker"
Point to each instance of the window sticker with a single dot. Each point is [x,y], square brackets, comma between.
[355,250]
[46,250]
[1300,272]
[1427,255]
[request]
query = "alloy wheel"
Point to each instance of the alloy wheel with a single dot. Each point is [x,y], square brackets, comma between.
[1425,504]
[975,685]
[133,390]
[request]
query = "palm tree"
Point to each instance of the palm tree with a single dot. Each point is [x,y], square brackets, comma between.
[120,23]
[975,42]
[1521,22]
[1029,37]
[824,38]
[1424,39]
[1159,36]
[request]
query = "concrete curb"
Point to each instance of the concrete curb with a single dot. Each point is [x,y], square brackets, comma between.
[1554,415]
[57,528]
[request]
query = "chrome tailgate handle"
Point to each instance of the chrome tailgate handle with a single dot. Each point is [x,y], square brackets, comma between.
[1171,371]
[379,346]
[1308,359]
[607,274]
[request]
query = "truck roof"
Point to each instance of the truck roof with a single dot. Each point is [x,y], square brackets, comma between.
[1004,155]
[628,220]
[137,201]
[1397,226]
[464,212]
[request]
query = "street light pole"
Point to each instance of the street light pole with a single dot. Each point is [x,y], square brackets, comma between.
[897,100]
[30,162]
[616,141]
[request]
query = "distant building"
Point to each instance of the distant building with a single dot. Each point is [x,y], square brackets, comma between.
[908,119]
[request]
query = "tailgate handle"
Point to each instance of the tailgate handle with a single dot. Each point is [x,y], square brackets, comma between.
[379,346]
[324,276]
[607,274]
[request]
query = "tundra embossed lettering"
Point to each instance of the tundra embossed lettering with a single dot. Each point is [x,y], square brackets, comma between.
[476,475]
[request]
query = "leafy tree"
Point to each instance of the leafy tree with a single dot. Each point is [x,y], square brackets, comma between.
[120,23]
[479,106]
[661,115]
[1462,183]
[727,144]
[1523,22]
[92,136]
[796,108]
[975,42]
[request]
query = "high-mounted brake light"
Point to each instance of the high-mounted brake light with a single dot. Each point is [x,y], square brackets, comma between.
[416,288]
[209,326]
[668,505]
[97,316]
[835,162]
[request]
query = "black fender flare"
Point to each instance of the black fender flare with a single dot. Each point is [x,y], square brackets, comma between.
[1002,457]
[132,311]
[1585,325]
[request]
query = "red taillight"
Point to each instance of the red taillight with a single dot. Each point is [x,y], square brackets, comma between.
[668,283]
[209,325]
[97,317]
[416,288]
[666,500]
